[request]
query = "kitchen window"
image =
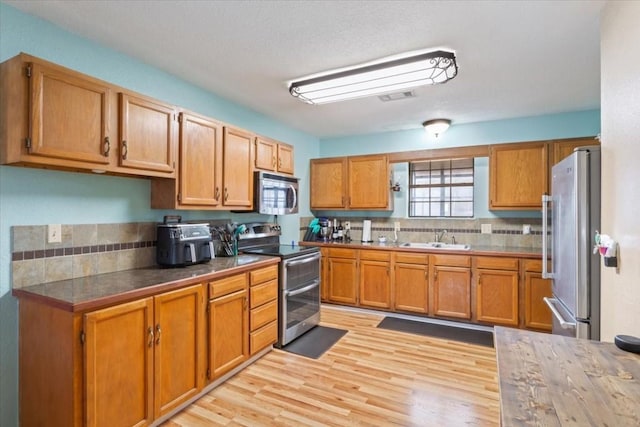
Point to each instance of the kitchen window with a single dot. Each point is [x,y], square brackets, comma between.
[441,188]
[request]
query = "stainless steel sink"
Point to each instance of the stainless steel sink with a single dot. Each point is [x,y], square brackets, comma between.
[437,245]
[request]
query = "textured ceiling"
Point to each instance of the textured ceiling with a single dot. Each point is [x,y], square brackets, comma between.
[516,58]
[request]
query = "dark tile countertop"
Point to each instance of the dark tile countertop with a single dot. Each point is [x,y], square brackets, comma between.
[501,251]
[93,292]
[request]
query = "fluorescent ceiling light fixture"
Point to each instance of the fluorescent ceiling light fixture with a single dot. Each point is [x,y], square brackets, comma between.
[437,126]
[383,77]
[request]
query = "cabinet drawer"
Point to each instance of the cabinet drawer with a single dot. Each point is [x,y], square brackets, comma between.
[451,260]
[534,265]
[264,274]
[375,255]
[409,258]
[264,314]
[496,263]
[342,253]
[262,293]
[227,285]
[263,337]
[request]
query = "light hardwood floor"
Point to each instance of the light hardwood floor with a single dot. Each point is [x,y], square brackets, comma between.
[371,377]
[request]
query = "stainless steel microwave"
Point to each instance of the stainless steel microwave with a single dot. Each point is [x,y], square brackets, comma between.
[275,194]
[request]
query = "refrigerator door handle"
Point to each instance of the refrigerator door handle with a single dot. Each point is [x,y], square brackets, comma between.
[546,274]
[551,302]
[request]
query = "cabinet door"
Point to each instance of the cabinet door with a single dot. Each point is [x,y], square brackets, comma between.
[537,314]
[497,297]
[375,284]
[328,183]
[562,148]
[147,134]
[200,174]
[518,175]
[69,117]
[285,158]
[237,171]
[180,353]
[411,287]
[452,292]
[119,364]
[228,332]
[343,280]
[369,186]
[266,154]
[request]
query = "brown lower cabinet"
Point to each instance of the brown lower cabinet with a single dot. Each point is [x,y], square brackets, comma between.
[497,290]
[375,280]
[411,282]
[451,284]
[132,378]
[342,275]
[228,324]
[537,314]
[131,363]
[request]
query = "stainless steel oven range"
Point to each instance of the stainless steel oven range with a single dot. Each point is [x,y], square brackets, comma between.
[299,279]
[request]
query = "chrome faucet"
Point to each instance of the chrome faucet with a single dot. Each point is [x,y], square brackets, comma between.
[440,235]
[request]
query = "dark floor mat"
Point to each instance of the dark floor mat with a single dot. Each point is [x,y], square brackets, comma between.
[314,343]
[471,336]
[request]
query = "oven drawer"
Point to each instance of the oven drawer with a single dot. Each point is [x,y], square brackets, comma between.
[264,314]
[262,293]
[218,288]
[264,274]
[263,337]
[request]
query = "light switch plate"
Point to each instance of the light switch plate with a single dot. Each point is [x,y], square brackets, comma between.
[54,233]
[396,226]
[347,225]
[485,228]
[526,229]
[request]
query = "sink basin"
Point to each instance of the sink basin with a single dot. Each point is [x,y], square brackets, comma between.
[437,245]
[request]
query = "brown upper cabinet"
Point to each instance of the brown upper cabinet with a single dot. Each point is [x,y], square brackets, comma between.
[563,147]
[147,134]
[215,168]
[273,156]
[54,117]
[518,175]
[357,182]
[199,183]
[51,116]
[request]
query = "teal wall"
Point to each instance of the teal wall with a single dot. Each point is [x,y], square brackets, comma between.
[32,196]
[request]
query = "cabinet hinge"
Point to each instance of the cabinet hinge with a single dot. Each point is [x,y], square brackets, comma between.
[27,143]
[179,197]
[208,373]
[180,118]
[28,71]
[82,337]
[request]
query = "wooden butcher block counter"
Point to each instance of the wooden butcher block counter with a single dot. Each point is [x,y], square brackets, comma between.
[551,380]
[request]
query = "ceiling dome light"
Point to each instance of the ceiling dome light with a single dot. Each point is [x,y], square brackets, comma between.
[437,126]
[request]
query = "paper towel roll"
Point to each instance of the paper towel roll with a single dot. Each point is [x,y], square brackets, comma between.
[366,231]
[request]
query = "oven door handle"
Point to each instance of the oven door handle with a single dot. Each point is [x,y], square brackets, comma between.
[303,261]
[295,292]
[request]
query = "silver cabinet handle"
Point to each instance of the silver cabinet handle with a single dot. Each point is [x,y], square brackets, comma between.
[551,302]
[303,261]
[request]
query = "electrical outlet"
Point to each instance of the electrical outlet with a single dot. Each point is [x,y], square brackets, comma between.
[347,225]
[526,229]
[396,226]
[54,233]
[485,228]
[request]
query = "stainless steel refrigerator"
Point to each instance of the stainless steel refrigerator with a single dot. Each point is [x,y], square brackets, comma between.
[574,209]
